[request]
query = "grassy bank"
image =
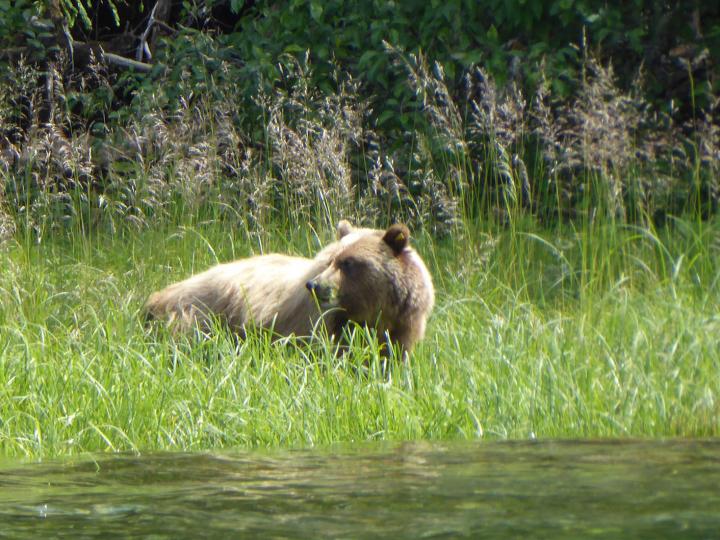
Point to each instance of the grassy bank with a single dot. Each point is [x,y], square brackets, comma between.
[599,330]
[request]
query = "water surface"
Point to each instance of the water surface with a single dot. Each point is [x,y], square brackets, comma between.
[569,489]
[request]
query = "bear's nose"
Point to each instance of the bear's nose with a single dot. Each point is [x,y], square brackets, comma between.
[311,285]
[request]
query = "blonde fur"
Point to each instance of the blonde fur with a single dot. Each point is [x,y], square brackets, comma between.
[271,292]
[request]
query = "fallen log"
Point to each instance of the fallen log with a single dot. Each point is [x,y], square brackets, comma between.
[81,55]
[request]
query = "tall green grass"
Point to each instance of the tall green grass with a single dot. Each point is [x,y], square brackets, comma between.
[603,331]
[570,303]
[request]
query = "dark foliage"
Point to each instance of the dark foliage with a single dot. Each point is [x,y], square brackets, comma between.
[578,107]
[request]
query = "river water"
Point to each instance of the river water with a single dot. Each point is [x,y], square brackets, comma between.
[555,489]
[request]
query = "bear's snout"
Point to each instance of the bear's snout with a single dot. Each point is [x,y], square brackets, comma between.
[322,291]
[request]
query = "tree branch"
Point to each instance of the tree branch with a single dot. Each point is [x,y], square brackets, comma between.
[121,61]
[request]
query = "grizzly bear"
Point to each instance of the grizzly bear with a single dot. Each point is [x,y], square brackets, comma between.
[368,276]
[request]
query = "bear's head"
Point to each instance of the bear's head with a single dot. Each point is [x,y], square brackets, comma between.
[376,279]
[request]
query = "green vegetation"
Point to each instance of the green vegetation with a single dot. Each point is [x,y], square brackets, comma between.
[446,109]
[603,331]
[567,214]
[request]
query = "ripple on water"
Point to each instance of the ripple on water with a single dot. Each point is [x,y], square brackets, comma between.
[558,489]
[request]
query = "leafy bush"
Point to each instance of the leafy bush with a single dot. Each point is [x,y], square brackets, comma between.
[299,111]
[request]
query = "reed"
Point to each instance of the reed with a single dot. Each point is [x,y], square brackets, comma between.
[572,301]
[605,332]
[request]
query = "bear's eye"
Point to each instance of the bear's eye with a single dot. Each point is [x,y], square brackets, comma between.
[348,265]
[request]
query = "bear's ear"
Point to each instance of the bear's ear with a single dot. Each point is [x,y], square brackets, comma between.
[343,228]
[397,237]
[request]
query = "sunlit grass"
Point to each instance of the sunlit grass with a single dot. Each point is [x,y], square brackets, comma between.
[596,331]
[562,310]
